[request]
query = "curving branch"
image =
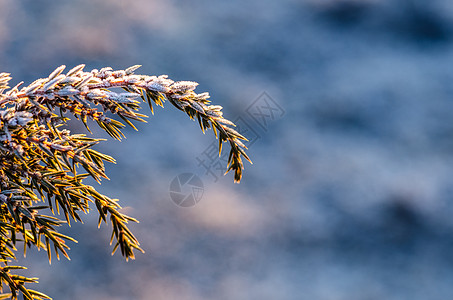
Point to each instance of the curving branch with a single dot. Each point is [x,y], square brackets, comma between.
[42,166]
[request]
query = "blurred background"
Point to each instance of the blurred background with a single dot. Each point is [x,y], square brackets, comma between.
[350,193]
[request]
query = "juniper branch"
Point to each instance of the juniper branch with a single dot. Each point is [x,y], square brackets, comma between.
[41,163]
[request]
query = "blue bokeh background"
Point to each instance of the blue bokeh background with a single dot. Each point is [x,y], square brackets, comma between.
[350,193]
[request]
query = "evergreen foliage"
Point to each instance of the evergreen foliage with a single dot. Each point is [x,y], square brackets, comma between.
[43,165]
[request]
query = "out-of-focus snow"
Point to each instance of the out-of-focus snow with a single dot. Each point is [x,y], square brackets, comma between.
[350,193]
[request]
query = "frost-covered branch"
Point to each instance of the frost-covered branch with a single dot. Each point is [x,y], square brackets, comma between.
[42,166]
